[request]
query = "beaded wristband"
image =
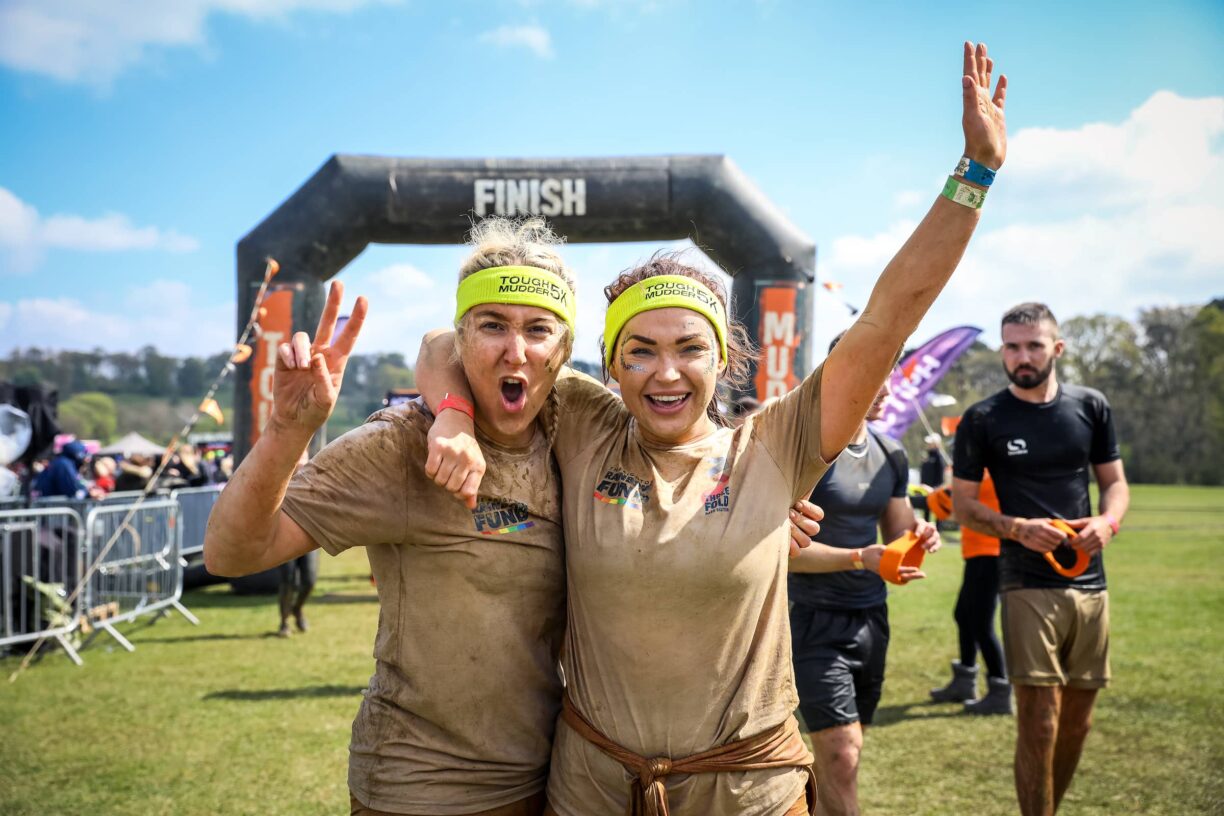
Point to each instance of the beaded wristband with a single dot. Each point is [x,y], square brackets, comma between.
[963,194]
[970,170]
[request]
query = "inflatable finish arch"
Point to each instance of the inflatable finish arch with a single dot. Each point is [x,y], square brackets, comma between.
[353,201]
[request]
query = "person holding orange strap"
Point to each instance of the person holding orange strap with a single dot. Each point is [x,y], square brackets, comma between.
[839,600]
[1041,439]
[975,614]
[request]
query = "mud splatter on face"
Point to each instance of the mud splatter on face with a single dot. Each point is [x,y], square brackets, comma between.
[697,326]
[626,365]
[712,351]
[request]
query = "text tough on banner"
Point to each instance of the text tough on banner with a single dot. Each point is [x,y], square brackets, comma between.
[275,327]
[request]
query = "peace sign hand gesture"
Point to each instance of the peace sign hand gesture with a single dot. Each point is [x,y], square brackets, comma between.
[982,119]
[308,375]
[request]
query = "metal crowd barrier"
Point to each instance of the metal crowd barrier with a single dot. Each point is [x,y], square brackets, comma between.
[46,549]
[195,504]
[41,562]
[142,572]
[84,505]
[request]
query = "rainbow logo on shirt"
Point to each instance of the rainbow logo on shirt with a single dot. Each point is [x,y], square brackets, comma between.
[718,498]
[497,517]
[621,489]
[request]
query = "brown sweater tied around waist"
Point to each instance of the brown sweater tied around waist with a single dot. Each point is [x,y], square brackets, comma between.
[779,747]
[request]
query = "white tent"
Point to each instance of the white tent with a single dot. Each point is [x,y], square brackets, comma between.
[130,444]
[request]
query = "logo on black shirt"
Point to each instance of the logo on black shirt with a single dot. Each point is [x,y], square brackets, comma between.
[620,488]
[1016,447]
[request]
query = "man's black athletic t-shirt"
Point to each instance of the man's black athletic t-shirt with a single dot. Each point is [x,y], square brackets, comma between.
[1038,455]
[854,494]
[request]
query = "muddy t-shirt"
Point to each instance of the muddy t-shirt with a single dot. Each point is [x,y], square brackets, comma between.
[459,715]
[678,637]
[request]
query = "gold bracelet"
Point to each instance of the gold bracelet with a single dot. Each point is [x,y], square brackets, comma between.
[1016,522]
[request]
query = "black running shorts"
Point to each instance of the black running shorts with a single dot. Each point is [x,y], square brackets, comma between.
[839,663]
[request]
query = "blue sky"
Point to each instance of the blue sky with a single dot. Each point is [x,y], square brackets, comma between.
[142,139]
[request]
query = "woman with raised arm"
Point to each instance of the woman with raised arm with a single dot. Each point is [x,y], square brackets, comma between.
[460,712]
[677,655]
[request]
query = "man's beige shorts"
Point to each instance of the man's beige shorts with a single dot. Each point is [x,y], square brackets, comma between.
[1056,637]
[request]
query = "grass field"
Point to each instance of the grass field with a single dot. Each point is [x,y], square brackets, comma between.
[226,719]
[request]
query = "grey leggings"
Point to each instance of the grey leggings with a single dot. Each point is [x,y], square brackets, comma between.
[299,575]
[296,581]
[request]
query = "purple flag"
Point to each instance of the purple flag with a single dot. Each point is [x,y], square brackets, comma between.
[913,380]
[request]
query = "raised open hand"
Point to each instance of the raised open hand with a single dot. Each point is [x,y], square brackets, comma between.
[308,375]
[983,122]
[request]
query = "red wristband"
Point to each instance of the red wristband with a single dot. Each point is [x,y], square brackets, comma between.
[1113,523]
[459,404]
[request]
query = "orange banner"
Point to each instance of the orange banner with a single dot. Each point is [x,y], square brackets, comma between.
[276,326]
[948,425]
[779,337]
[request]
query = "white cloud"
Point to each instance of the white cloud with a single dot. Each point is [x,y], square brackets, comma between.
[405,302]
[1102,218]
[1165,150]
[25,235]
[111,233]
[93,42]
[164,313]
[856,251]
[534,38]
[18,232]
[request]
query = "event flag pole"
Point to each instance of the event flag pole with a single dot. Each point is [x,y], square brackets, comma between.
[242,352]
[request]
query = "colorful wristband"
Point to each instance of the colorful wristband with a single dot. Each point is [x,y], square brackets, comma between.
[1113,523]
[459,404]
[970,170]
[856,559]
[963,194]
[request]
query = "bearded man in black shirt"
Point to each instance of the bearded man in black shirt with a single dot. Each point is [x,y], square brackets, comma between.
[1038,439]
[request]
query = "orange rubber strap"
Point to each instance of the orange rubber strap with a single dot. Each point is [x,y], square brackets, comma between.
[1082,559]
[904,552]
[940,503]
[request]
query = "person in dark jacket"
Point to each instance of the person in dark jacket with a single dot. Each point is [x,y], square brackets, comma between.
[63,476]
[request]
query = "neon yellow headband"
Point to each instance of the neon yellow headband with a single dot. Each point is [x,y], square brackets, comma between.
[662,292]
[517,286]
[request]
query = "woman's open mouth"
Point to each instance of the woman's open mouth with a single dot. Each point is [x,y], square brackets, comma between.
[667,403]
[513,395]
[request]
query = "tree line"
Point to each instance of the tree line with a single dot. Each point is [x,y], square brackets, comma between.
[1163,374]
[105,394]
